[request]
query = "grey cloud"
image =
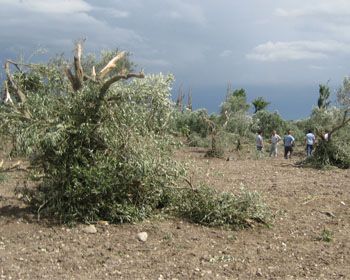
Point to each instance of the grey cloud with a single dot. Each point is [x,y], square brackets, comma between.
[48,6]
[57,31]
[296,50]
[316,9]
[203,42]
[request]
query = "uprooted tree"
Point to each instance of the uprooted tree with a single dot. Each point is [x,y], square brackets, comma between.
[99,145]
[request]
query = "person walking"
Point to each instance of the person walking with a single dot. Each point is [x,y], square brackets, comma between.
[259,144]
[288,141]
[275,138]
[310,141]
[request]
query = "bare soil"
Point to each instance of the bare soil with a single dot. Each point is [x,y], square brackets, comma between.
[308,206]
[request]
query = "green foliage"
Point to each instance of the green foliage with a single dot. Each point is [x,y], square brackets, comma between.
[196,140]
[2,177]
[259,104]
[189,122]
[323,99]
[234,116]
[110,161]
[325,236]
[236,102]
[215,149]
[239,124]
[29,82]
[324,119]
[226,140]
[206,206]
[267,122]
[239,93]
[343,95]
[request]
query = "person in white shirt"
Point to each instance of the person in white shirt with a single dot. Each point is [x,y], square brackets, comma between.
[259,141]
[310,141]
[275,138]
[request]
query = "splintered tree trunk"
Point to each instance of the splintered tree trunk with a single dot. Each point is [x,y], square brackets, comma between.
[76,77]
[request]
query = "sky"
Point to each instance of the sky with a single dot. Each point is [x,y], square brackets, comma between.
[280,50]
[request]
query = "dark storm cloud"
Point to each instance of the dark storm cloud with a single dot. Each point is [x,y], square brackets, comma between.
[203,42]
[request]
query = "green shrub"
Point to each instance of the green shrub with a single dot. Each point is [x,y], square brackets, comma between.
[208,207]
[191,122]
[195,140]
[325,236]
[267,122]
[2,177]
[108,163]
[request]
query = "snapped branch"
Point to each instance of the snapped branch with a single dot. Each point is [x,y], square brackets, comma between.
[21,96]
[6,98]
[114,79]
[77,78]
[110,65]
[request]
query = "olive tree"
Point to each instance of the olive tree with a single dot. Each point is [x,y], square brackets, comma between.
[323,99]
[333,149]
[97,141]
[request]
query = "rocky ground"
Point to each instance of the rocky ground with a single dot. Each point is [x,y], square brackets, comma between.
[309,238]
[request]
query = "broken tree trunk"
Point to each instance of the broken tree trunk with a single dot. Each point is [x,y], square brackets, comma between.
[19,93]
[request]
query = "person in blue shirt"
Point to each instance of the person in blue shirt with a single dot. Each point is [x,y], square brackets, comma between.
[288,141]
[310,140]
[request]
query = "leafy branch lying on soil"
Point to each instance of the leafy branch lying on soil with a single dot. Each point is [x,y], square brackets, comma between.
[208,207]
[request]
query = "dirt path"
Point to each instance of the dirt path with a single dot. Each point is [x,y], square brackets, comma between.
[306,203]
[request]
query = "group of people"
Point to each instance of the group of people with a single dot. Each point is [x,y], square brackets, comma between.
[288,143]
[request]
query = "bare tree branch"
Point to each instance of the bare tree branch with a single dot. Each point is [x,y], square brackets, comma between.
[227,118]
[93,73]
[114,79]
[76,80]
[21,96]
[77,65]
[110,65]
[70,76]
[16,64]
